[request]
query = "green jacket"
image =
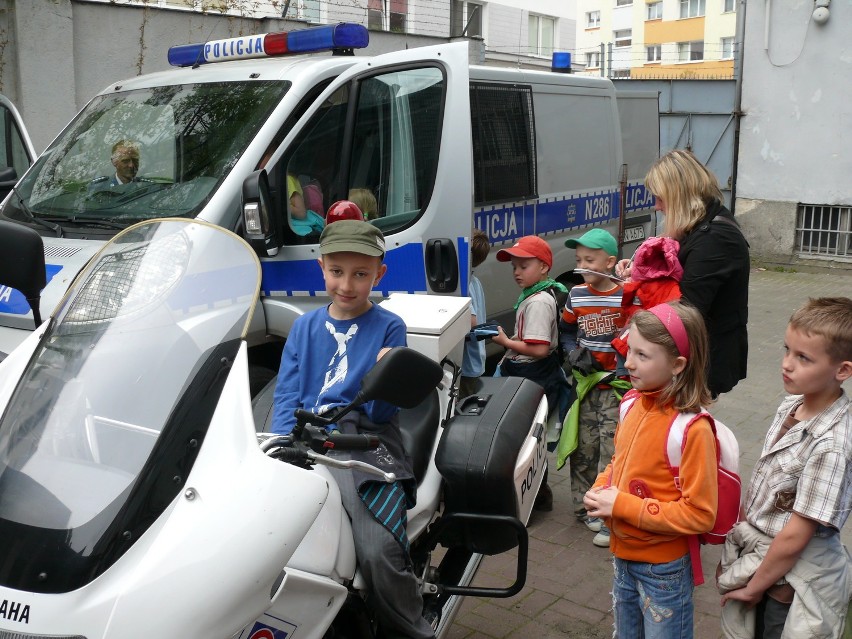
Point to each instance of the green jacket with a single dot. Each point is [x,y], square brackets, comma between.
[571,426]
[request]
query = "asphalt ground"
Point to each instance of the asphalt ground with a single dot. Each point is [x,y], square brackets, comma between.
[569,580]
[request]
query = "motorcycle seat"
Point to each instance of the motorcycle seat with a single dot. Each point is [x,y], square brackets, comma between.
[419,427]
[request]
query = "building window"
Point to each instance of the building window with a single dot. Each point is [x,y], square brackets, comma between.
[621,74]
[467,15]
[824,230]
[623,37]
[655,11]
[691,8]
[541,30]
[623,3]
[654,53]
[593,60]
[690,51]
[593,19]
[730,6]
[387,15]
[727,48]
[308,10]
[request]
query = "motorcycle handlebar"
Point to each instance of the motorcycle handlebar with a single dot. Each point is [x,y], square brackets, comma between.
[339,441]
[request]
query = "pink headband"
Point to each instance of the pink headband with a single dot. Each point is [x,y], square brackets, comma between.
[674,325]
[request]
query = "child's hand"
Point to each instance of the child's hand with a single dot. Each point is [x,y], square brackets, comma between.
[744,594]
[623,268]
[599,501]
[500,338]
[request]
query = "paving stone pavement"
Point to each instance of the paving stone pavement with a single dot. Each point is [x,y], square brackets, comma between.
[567,592]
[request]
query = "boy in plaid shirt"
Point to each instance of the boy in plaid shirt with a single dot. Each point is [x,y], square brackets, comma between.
[785,561]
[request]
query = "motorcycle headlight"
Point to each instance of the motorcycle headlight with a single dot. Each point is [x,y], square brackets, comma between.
[129,279]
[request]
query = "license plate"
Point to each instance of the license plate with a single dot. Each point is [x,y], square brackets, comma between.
[634,234]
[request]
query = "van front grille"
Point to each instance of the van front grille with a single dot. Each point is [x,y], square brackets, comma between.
[60,251]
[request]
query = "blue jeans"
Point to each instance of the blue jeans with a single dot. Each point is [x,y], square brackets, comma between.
[653,601]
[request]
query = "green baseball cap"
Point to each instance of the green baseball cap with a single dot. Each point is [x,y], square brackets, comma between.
[596,239]
[352,236]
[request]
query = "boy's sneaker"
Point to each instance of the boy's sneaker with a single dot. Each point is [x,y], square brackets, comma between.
[602,538]
[593,523]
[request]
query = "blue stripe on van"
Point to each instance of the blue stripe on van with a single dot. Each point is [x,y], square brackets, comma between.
[464,264]
[558,215]
[406,274]
[13,302]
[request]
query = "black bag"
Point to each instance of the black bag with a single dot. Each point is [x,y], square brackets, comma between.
[582,360]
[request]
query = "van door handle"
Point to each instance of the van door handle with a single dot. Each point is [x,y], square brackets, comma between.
[442,265]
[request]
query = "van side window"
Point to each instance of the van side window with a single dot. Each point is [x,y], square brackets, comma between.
[504,158]
[380,150]
[13,151]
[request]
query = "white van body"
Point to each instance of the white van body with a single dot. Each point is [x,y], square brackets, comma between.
[398,124]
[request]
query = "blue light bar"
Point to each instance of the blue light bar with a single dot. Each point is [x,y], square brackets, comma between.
[338,36]
[325,38]
[561,62]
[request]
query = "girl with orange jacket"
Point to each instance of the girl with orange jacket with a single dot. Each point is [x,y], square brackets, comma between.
[649,517]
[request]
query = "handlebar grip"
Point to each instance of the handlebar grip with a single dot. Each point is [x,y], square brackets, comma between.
[292,455]
[339,441]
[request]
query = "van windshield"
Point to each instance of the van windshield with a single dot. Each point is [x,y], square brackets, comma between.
[142,154]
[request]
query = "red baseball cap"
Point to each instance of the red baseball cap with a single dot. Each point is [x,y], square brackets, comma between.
[528,246]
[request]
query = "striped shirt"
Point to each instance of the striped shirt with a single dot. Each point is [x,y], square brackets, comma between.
[595,316]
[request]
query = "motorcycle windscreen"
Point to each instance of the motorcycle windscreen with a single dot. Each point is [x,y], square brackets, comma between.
[104,426]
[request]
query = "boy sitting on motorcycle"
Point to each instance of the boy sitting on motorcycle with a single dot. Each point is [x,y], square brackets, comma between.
[327,353]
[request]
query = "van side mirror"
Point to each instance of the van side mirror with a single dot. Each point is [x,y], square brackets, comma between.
[402,377]
[22,266]
[262,227]
[8,179]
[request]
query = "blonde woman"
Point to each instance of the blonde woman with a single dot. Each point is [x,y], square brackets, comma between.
[714,255]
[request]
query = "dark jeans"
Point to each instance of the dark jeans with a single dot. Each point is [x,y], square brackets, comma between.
[770,618]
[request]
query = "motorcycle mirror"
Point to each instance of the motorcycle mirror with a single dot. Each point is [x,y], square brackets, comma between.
[22,266]
[262,227]
[402,377]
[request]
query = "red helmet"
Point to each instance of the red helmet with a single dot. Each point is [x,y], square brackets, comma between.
[343,210]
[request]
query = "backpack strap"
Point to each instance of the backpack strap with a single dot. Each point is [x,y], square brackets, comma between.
[675,445]
[558,297]
[676,440]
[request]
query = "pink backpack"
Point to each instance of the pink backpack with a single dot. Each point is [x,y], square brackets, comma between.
[727,467]
[313,198]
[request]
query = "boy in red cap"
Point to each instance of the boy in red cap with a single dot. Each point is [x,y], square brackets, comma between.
[531,351]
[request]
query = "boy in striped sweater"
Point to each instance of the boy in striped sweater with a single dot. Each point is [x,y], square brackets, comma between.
[590,321]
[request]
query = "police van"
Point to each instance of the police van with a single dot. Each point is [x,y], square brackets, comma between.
[253,133]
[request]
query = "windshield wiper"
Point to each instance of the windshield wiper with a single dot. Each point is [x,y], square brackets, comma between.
[82,220]
[56,228]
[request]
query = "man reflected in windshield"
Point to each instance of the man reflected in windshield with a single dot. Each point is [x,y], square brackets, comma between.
[125,159]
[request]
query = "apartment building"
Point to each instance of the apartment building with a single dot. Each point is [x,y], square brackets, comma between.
[517,32]
[513,32]
[657,38]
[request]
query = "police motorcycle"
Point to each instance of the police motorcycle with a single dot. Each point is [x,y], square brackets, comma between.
[139,500]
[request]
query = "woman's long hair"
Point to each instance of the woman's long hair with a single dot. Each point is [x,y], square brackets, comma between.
[686,187]
[688,392]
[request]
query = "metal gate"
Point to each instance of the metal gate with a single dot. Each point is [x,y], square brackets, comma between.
[698,115]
